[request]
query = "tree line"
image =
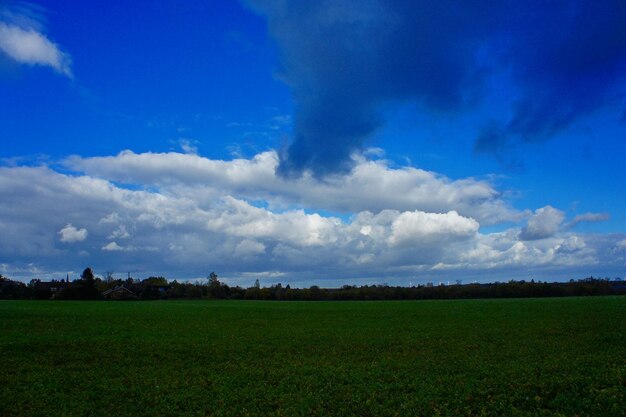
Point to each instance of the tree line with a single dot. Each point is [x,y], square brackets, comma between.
[90,287]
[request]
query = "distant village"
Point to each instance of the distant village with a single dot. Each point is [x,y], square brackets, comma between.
[90,287]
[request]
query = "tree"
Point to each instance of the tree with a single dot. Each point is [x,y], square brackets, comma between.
[213,281]
[215,288]
[155,281]
[87,276]
[257,284]
[85,289]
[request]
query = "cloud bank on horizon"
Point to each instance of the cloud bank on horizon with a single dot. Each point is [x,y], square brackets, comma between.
[163,213]
[546,65]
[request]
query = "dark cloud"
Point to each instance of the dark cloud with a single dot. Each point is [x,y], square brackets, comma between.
[344,59]
[569,59]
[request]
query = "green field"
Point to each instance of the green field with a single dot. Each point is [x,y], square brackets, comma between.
[530,357]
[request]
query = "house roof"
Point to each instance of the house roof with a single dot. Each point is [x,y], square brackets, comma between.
[117,288]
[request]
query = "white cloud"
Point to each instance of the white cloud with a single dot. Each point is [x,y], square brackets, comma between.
[29,46]
[189,146]
[371,186]
[589,217]
[545,222]
[247,248]
[70,234]
[416,227]
[112,218]
[202,215]
[112,246]
[119,233]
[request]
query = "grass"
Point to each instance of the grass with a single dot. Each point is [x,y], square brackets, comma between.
[526,357]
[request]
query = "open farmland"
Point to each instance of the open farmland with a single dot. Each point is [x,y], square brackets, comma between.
[529,357]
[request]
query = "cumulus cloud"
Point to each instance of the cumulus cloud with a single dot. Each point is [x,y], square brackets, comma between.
[247,248]
[545,222]
[370,186]
[115,247]
[112,246]
[410,228]
[22,39]
[186,226]
[344,60]
[71,234]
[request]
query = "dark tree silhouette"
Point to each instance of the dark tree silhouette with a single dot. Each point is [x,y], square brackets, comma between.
[88,276]
[214,282]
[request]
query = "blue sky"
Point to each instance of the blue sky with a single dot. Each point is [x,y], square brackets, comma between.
[149,76]
[326,142]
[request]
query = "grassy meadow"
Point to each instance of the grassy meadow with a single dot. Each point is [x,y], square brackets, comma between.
[526,357]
